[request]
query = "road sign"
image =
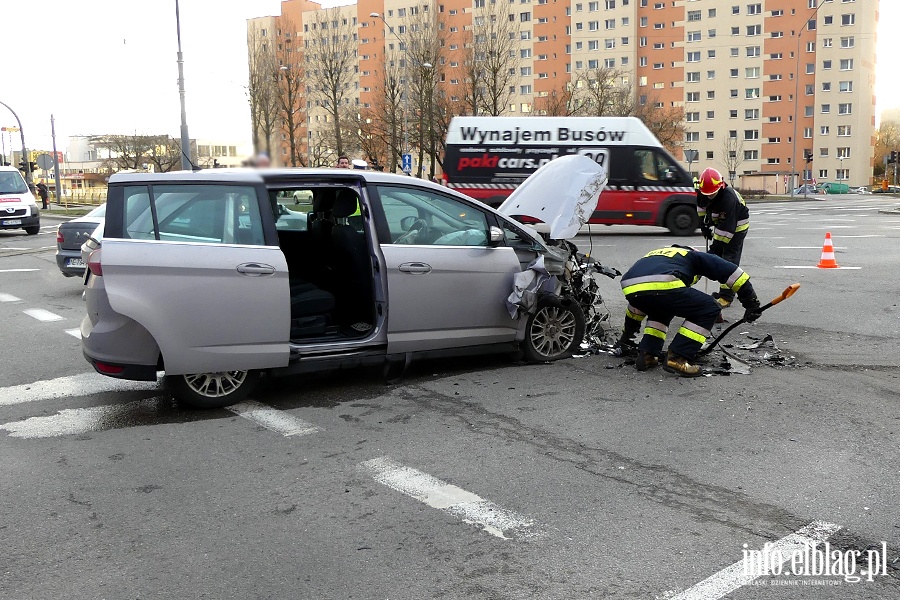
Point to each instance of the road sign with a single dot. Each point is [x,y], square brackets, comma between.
[406,163]
[45,161]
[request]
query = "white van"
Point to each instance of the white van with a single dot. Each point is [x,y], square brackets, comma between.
[18,208]
[488,157]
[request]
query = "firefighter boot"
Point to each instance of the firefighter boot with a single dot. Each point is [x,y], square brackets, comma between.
[681,366]
[645,360]
[625,345]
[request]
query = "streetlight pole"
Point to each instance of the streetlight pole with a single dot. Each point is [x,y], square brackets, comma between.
[186,164]
[29,180]
[797,93]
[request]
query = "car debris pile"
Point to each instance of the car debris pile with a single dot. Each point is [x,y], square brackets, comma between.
[738,359]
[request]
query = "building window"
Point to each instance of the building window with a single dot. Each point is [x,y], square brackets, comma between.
[711,75]
[751,73]
[846,64]
[824,130]
[754,29]
[754,9]
[751,154]
[828,20]
[848,42]
[845,86]
[692,117]
[609,63]
[691,136]
[826,108]
[753,51]
[609,43]
[693,57]
[751,134]
[810,89]
[843,131]
[732,114]
[710,95]
[694,15]
[710,114]
[751,93]
[849,19]
[692,97]
[845,109]
[751,114]
[734,72]
[807,133]
[775,56]
[609,23]
[693,76]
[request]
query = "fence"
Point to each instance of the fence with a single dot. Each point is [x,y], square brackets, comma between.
[75,197]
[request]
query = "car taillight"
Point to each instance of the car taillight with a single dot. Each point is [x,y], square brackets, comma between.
[94,263]
[59,237]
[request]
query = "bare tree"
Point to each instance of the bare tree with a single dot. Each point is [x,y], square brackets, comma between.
[491,62]
[733,149]
[603,92]
[331,63]
[422,52]
[386,112]
[559,102]
[887,138]
[139,152]
[665,122]
[262,89]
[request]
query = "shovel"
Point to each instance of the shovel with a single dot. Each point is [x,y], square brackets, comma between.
[787,293]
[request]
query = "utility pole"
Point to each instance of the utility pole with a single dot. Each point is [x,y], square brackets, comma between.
[29,179]
[55,160]
[186,164]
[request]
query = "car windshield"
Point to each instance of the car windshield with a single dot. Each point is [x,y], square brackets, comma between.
[12,183]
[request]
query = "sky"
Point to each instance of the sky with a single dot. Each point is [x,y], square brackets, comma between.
[109,66]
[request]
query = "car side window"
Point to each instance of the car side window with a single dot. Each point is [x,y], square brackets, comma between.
[422,217]
[211,214]
[647,166]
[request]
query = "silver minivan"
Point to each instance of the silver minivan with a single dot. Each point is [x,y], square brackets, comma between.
[206,276]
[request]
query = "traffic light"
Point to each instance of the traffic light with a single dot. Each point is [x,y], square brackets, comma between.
[807,156]
[893,156]
[32,165]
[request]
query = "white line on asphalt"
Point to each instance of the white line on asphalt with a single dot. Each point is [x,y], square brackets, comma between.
[809,247]
[85,384]
[74,333]
[74,421]
[17,270]
[11,248]
[737,575]
[868,235]
[446,497]
[273,419]
[9,298]
[815,267]
[42,315]
[823,227]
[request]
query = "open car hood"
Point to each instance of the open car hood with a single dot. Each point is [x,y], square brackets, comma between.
[563,193]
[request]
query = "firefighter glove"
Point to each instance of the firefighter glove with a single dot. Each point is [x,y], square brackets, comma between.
[752,310]
[706,230]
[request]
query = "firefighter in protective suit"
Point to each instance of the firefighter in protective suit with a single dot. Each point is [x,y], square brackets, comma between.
[724,219]
[658,288]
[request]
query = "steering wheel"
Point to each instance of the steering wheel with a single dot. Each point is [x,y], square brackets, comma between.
[417,231]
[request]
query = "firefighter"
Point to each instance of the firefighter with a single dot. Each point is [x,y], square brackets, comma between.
[724,220]
[658,288]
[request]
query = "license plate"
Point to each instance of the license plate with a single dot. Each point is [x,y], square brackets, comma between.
[74,262]
[13,222]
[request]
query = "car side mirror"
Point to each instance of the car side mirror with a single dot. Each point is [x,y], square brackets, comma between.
[496,236]
[670,175]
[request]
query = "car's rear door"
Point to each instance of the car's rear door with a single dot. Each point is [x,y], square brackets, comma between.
[447,285]
[198,266]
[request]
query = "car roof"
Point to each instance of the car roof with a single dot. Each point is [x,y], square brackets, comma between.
[200,176]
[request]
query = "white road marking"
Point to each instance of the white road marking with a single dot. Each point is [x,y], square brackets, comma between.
[273,419]
[826,227]
[735,576]
[74,333]
[868,235]
[74,421]
[449,498]
[814,267]
[9,298]
[809,247]
[42,315]
[17,270]
[85,384]
[11,248]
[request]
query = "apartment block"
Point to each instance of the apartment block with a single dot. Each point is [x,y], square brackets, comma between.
[772,91]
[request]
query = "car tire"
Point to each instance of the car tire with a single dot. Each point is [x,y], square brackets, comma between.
[32,230]
[682,220]
[212,390]
[554,331]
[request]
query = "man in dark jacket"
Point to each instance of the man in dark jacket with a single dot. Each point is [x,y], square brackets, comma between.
[658,288]
[44,193]
[724,220]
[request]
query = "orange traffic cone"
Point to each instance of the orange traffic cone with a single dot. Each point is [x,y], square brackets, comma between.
[827,261]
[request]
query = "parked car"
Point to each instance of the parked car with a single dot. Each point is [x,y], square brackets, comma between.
[833,187]
[69,238]
[18,208]
[805,189]
[193,276]
[861,190]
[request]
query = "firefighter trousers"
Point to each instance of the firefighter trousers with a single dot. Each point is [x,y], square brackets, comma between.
[732,253]
[699,311]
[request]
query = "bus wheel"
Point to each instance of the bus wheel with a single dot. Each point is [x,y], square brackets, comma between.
[682,220]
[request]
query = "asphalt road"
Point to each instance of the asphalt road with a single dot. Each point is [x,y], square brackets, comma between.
[474,478]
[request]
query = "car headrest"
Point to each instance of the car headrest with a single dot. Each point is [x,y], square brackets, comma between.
[323,200]
[346,203]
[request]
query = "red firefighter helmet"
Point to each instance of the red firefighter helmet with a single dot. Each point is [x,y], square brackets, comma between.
[711,181]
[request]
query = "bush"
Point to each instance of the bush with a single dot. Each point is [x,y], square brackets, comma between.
[753,193]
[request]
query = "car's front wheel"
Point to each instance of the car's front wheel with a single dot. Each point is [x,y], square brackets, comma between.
[32,230]
[212,390]
[554,331]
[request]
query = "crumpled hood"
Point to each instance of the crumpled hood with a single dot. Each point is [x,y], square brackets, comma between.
[563,193]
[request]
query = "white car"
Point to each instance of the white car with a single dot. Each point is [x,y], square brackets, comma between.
[861,190]
[18,208]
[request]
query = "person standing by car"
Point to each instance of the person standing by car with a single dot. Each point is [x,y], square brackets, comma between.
[343,162]
[725,221]
[44,193]
[658,288]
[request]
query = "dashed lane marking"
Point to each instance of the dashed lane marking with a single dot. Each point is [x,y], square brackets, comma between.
[867,235]
[273,419]
[809,247]
[85,384]
[17,270]
[737,575]
[76,333]
[42,315]
[443,496]
[9,298]
[815,267]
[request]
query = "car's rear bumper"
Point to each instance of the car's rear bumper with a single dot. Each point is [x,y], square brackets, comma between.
[32,221]
[63,258]
[123,371]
